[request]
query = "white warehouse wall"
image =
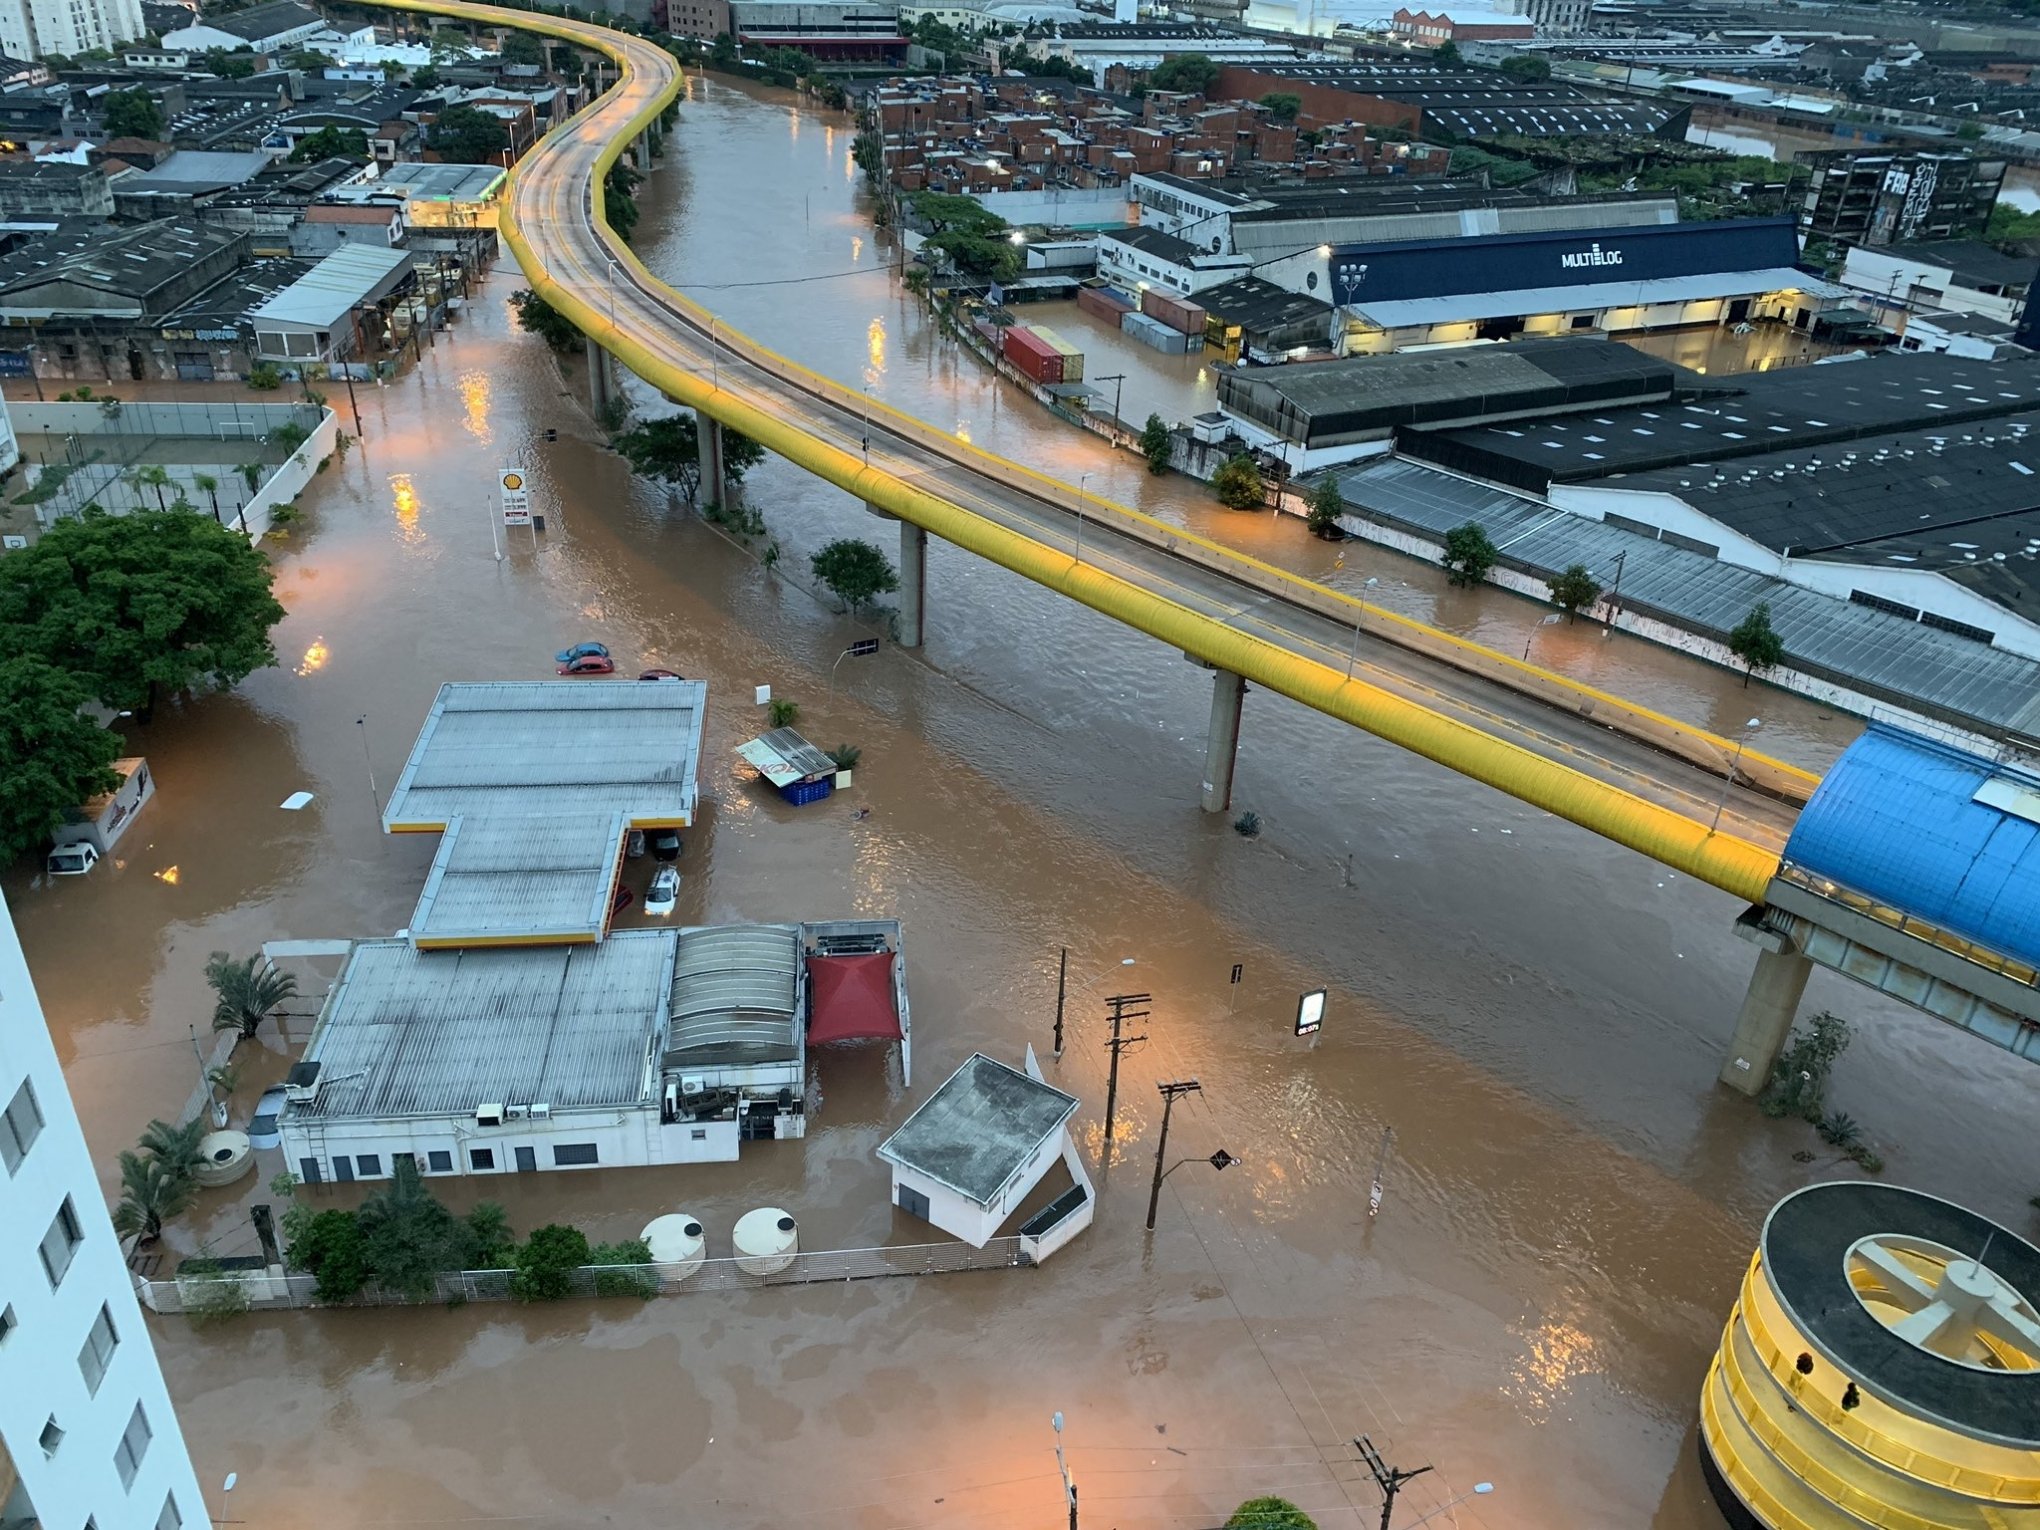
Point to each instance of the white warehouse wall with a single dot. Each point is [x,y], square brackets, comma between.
[43,1330]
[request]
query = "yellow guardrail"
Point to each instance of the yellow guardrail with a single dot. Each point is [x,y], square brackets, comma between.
[1732,864]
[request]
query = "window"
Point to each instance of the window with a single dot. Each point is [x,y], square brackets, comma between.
[170,1518]
[98,1351]
[52,1436]
[568,1153]
[134,1444]
[699,1134]
[370,1165]
[343,1169]
[60,1243]
[482,1158]
[20,1124]
[440,1163]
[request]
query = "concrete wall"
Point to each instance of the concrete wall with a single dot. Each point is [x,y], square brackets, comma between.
[1068,207]
[955,1214]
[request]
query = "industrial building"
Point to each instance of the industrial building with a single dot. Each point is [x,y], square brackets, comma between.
[1899,197]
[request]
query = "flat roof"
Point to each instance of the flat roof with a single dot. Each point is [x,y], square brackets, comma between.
[435,1033]
[453,183]
[533,747]
[322,297]
[516,880]
[1613,293]
[784,757]
[736,995]
[1972,261]
[979,1129]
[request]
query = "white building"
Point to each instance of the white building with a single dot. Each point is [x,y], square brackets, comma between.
[31,28]
[262,28]
[87,1433]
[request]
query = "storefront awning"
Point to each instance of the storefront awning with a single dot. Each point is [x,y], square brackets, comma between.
[850,998]
[1460,308]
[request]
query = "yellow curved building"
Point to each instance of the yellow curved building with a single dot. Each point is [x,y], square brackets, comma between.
[1881,1368]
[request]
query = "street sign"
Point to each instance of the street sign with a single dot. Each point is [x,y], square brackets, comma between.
[1238,971]
[863,648]
[511,482]
[1310,1012]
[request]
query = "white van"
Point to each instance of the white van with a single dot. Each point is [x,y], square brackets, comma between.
[71,860]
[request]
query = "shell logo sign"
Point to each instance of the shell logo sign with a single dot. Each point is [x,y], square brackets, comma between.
[516,497]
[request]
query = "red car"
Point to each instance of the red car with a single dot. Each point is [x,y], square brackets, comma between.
[590,664]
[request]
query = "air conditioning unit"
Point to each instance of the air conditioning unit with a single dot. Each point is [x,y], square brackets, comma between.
[693,1085]
[488,1115]
[541,1112]
[301,1087]
[516,1112]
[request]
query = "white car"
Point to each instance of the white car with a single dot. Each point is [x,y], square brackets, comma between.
[263,1131]
[664,892]
[71,860]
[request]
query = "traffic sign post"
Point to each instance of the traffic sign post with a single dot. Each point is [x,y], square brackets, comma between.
[863,648]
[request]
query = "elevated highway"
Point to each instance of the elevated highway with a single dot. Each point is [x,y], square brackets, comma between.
[1663,788]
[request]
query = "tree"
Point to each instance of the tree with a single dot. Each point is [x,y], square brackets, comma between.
[309,60]
[976,240]
[329,1246]
[137,604]
[53,758]
[246,992]
[522,48]
[1528,68]
[1269,1514]
[1192,73]
[1446,52]
[1043,66]
[619,207]
[466,135]
[1157,444]
[408,1238]
[545,1265]
[1468,554]
[1755,641]
[426,78]
[132,114]
[238,65]
[855,571]
[1323,509]
[1575,589]
[153,475]
[538,317]
[670,449]
[1799,1077]
[151,1193]
[1238,484]
[330,143]
[1282,105]
[490,1242]
[722,52]
[209,486]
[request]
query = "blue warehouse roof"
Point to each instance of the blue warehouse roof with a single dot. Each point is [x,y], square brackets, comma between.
[1948,837]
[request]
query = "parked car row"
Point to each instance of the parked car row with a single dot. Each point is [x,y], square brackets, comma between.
[594,659]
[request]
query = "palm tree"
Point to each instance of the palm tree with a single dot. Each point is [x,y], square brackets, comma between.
[249,992]
[151,1192]
[175,1147]
[154,476]
[211,488]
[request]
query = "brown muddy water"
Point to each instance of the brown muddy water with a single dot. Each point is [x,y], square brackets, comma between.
[1538,1014]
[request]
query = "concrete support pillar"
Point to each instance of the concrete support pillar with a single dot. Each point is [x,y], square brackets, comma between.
[715,478]
[1228,691]
[602,380]
[1766,1019]
[913,582]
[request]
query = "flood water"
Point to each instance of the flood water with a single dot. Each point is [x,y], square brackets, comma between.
[1536,1013]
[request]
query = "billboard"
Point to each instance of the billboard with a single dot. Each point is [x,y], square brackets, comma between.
[512,485]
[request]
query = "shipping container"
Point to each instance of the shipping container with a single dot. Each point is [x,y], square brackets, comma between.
[1072,358]
[1105,303]
[1178,313]
[1036,359]
[1152,332]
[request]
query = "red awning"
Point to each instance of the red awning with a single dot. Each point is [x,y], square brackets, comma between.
[850,998]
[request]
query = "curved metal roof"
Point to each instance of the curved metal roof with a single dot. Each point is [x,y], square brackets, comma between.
[1948,837]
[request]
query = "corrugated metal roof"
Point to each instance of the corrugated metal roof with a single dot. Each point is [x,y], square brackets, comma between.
[322,297]
[1534,300]
[1883,656]
[977,1131]
[502,878]
[736,994]
[424,1033]
[784,757]
[538,747]
[1895,819]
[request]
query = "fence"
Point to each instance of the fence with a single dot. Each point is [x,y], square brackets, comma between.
[226,1294]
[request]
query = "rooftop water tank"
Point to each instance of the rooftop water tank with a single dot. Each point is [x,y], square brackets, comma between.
[677,1245]
[766,1241]
[223,1157]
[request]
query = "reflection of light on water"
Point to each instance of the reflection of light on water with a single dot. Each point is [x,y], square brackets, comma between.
[315,657]
[168,874]
[828,138]
[1559,1354]
[404,500]
[963,431]
[874,344]
[849,164]
[856,248]
[474,392]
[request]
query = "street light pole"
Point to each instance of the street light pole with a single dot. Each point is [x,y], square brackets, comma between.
[1083,485]
[1169,1094]
[1728,782]
[1063,1465]
[1389,1478]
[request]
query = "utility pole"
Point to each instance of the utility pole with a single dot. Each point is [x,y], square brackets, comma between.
[1062,1463]
[1389,1478]
[1615,597]
[1125,1006]
[1170,1092]
[1062,983]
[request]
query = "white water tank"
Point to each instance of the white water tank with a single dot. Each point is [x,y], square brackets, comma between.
[224,1157]
[766,1241]
[677,1245]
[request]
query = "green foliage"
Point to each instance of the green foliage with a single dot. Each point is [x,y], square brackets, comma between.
[132,114]
[1575,589]
[1194,73]
[1447,52]
[133,604]
[1282,105]
[1157,444]
[523,48]
[490,1241]
[152,475]
[408,1238]
[782,713]
[540,318]
[328,1245]
[212,1294]
[856,571]
[238,65]
[618,205]
[53,758]
[466,135]
[722,52]
[1043,66]
[1324,507]
[156,1180]
[2008,225]
[977,241]
[426,78]
[846,756]
[624,1269]
[1269,1514]
[1756,642]
[264,377]
[330,143]
[544,1271]
[1238,484]
[1501,171]
[1528,68]
[1247,825]
[1799,1078]
[1468,554]
[309,60]
[247,992]
[289,436]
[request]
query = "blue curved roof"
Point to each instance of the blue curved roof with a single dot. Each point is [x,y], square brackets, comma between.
[1895,820]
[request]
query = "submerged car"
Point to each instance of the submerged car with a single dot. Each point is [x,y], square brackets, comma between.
[264,1131]
[661,674]
[666,844]
[590,664]
[580,651]
[664,891]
